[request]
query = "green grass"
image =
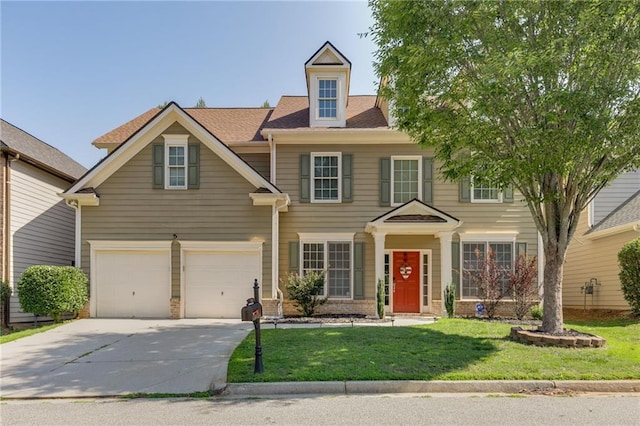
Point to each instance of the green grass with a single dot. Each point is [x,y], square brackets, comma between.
[10,335]
[451,349]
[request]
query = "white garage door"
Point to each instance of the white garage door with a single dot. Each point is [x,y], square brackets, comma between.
[131,284]
[218,283]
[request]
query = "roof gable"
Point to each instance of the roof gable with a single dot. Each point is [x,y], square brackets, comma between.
[327,54]
[413,217]
[45,156]
[154,128]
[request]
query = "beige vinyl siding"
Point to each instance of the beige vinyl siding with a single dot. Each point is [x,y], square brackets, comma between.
[594,258]
[352,217]
[260,162]
[42,226]
[220,210]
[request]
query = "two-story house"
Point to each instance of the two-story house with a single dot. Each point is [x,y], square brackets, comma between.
[192,204]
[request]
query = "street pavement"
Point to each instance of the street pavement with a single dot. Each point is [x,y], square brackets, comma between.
[114,357]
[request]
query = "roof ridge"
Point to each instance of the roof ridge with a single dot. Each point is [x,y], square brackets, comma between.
[36,138]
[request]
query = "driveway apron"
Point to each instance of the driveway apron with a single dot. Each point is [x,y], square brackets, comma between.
[108,357]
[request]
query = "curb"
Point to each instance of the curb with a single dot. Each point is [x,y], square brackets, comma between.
[435,386]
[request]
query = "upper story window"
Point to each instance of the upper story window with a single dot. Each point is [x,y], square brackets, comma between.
[327,98]
[406,179]
[176,161]
[325,182]
[484,191]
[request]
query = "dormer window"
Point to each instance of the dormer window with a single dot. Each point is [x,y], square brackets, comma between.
[327,98]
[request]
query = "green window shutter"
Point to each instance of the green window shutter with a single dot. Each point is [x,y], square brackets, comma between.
[194,166]
[465,189]
[385,181]
[347,178]
[522,249]
[294,256]
[507,194]
[358,271]
[305,178]
[455,267]
[158,165]
[427,180]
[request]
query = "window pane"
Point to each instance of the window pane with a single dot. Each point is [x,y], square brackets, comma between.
[176,176]
[425,279]
[313,258]
[339,276]
[325,182]
[386,279]
[504,260]
[327,98]
[472,256]
[484,190]
[176,156]
[405,180]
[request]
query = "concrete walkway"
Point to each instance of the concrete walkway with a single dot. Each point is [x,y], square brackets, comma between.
[109,357]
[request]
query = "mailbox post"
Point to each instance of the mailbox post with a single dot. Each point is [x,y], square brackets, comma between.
[253,312]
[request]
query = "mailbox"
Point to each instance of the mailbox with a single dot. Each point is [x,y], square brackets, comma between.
[251,312]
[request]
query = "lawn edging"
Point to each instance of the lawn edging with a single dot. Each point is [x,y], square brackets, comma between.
[429,386]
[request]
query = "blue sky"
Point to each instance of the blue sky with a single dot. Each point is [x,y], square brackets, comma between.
[72,71]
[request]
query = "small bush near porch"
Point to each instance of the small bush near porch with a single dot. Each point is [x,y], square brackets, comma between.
[451,349]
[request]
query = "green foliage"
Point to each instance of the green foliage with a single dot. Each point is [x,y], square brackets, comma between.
[201,103]
[450,300]
[265,104]
[546,94]
[536,312]
[629,262]
[380,300]
[305,291]
[5,291]
[488,278]
[522,284]
[162,105]
[52,290]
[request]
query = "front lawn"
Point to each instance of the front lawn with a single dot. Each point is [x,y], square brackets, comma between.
[451,349]
[9,335]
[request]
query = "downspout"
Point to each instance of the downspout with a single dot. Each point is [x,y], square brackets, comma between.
[272,159]
[78,235]
[5,239]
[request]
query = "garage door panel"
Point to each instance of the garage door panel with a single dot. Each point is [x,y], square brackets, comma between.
[132,284]
[217,284]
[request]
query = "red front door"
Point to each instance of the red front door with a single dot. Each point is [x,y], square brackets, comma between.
[406,281]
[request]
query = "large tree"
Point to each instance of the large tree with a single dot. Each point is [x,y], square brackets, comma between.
[542,95]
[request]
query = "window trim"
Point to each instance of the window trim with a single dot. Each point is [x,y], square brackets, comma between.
[312,177]
[417,158]
[487,240]
[473,199]
[171,141]
[325,239]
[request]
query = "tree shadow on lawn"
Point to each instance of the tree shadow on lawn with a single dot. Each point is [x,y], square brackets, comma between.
[359,353]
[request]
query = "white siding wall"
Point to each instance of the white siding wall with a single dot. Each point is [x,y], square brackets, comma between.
[42,225]
[615,194]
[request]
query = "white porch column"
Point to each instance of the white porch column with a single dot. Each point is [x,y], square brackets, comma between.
[445,263]
[379,257]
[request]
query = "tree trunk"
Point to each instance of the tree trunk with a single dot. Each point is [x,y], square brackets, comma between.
[552,319]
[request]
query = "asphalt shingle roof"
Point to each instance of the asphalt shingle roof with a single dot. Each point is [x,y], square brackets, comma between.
[627,212]
[32,148]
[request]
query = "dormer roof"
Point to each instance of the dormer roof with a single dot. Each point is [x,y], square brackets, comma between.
[328,58]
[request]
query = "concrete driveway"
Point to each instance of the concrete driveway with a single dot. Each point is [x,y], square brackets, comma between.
[108,357]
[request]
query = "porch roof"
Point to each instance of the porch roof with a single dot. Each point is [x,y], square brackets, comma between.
[413,217]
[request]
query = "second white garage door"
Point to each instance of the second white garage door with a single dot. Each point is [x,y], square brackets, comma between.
[217,283]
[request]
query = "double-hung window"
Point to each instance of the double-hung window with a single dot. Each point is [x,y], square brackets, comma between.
[406,179]
[327,98]
[335,259]
[473,256]
[484,191]
[176,161]
[325,182]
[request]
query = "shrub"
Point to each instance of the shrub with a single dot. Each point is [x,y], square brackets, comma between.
[536,312]
[52,290]
[450,300]
[629,262]
[5,291]
[488,277]
[380,304]
[304,290]
[522,284]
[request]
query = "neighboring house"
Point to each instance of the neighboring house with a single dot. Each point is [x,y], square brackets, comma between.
[610,221]
[191,205]
[35,224]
